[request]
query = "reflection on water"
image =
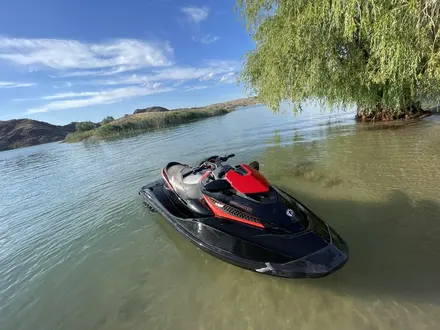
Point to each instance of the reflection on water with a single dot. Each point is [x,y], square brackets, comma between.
[78,250]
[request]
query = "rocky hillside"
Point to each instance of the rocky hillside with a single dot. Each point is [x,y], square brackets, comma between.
[18,133]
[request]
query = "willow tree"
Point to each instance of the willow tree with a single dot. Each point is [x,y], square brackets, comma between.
[381,56]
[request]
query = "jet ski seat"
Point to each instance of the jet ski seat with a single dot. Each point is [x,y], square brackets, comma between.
[186,187]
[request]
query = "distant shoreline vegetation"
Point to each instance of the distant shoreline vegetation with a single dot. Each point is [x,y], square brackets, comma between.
[150,120]
[143,123]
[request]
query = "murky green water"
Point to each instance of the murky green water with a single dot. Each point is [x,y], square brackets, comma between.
[78,250]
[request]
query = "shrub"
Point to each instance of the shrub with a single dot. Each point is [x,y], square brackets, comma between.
[84,126]
[107,120]
[78,136]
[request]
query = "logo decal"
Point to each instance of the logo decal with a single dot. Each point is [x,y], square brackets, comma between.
[290,213]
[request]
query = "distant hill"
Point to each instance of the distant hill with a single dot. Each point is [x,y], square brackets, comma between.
[150,109]
[19,133]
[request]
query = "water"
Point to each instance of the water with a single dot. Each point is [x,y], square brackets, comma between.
[78,250]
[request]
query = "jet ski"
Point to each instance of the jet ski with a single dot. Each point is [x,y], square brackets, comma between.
[233,213]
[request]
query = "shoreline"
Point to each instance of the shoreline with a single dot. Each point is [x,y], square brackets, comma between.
[19,133]
[25,132]
[139,123]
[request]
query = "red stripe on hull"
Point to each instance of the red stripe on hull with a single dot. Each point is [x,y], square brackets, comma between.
[218,212]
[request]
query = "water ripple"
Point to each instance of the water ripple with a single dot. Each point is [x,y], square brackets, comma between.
[79,251]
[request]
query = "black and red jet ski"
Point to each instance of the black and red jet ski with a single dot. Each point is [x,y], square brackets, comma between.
[234,214]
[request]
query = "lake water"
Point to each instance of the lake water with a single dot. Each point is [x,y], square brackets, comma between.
[78,249]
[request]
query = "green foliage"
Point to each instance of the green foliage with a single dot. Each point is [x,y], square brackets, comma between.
[151,121]
[145,122]
[107,120]
[78,136]
[84,126]
[374,54]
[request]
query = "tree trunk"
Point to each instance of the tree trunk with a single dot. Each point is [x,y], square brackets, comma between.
[380,113]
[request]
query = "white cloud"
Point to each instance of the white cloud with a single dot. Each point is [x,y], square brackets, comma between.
[59,96]
[196,14]
[206,72]
[209,76]
[102,73]
[96,98]
[194,88]
[8,84]
[68,95]
[66,84]
[228,78]
[98,58]
[160,80]
[109,64]
[207,39]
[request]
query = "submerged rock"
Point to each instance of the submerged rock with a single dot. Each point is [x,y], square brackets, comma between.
[313,176]
[131,308]
[330,182]
[307,171]
[100,323]
[301,169]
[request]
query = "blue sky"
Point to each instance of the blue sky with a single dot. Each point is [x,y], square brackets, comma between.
[63,61]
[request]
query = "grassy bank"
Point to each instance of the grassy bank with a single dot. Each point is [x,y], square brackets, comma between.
[144,122]
[78,136]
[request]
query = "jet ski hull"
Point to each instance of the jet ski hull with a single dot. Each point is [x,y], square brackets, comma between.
[301,255]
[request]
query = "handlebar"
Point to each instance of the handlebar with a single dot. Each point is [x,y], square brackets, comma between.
[199,169]
[225,158]
[212,162]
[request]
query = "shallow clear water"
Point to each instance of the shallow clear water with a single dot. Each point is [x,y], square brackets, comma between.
[78,250]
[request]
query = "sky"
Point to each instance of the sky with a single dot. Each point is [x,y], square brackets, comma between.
[75,60]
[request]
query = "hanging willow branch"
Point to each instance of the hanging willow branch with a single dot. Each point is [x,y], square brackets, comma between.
[374,54]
